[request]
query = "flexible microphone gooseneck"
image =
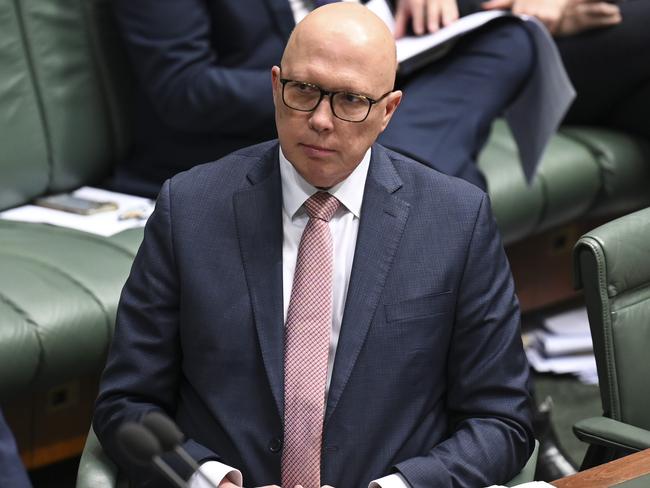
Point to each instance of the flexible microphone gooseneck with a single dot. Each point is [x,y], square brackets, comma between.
[170,438]
[144,448]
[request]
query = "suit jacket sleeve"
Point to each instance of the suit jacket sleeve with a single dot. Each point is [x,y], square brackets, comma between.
[172,49]
[12,472]
[490,435]
[144,362]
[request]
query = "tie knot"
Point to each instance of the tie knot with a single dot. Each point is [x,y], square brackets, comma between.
[321,205]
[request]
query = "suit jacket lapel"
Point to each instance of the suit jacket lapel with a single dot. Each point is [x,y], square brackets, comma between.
[258,212]
[383,217]
[281,11]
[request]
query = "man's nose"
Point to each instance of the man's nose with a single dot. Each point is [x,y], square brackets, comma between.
[322,118]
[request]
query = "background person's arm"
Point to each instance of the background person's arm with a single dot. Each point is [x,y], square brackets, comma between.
[582,15]
[171,44]
[549,12]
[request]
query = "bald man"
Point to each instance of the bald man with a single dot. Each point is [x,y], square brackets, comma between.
[374,344]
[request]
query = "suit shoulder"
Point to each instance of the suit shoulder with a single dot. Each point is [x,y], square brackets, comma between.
[224,175]
[433,184]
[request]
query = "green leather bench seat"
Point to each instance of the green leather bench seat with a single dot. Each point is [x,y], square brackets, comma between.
[58,296]
[624,162]
[584,171]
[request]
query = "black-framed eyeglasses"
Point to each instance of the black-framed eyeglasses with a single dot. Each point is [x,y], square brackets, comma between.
[305,97]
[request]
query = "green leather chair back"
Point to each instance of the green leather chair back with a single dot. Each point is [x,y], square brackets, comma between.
[64,117]
[612,264]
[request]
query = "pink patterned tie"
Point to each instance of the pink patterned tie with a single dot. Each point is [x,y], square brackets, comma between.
[307,340]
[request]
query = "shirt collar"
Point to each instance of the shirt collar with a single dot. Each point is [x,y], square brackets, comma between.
[295,190]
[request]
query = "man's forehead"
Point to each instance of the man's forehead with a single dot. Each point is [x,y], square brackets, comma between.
[340,79]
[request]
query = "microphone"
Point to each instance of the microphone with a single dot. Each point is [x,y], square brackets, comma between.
[144,448]
[170,438]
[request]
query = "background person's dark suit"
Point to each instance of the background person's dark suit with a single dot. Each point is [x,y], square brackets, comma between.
[12,471]
[429,375]
[204,88]
[609,68]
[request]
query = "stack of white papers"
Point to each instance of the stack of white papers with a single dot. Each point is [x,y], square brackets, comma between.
[131,212]
[562,345]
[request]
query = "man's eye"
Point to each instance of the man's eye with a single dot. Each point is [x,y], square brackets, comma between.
[304,87]
[351,99]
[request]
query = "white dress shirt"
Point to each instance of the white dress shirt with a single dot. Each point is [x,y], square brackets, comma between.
[344,227]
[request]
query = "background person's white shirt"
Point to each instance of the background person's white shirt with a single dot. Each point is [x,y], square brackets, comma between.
[344,227]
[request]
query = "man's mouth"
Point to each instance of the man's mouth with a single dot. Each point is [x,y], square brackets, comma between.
[313,150]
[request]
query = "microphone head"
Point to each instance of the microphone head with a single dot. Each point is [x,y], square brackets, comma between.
[164,429]
[140,444]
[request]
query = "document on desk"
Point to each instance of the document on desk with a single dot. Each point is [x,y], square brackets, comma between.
[535,114]
[132,211]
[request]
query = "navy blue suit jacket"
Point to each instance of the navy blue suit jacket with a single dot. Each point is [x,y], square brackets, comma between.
[429,378]
[12,471]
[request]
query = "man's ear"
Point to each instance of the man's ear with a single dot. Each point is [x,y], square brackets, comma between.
[275,80]
[392,102]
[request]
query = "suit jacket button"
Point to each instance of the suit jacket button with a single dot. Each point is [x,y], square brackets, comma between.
[275,444]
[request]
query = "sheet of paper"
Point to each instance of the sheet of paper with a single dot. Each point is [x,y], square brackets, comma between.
[104,223]
[575,363]
[410,46]
[561,344]
[569,322]
[552,345]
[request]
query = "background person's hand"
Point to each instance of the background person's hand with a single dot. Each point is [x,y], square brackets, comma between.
[582,15]
[549,12]
[425,15]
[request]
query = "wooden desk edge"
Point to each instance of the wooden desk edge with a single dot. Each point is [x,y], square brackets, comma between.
[606,475]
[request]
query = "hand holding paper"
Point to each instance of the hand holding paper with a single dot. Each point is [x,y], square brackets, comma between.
[426,16]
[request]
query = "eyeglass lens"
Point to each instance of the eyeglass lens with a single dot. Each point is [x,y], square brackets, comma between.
[346,106]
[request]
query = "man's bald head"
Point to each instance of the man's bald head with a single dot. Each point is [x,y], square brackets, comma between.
[341,49]
[347,32]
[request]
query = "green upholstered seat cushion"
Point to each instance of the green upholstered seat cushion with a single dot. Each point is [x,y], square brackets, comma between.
[564,188]
[624,162]
[517,206]
[59,290]
[583,171]
[129,240]
[570,178]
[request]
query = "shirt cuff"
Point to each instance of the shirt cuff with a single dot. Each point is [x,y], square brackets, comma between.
[215,472]
[391,481]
